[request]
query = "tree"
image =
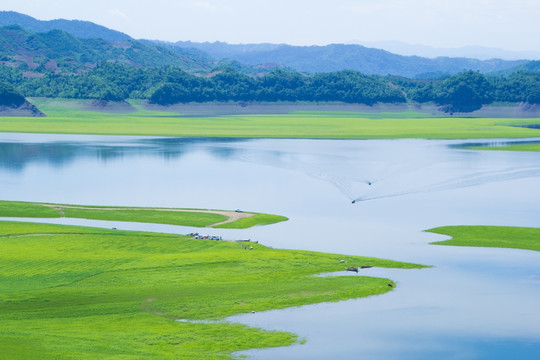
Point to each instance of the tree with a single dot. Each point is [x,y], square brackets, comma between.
[9,96]
[464,92]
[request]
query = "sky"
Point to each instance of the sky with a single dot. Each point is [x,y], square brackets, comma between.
[506,24]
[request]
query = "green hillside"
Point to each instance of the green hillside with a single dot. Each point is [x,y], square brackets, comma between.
[530,66]
[59,52]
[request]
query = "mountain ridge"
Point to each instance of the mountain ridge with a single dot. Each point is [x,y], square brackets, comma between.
[336,57]
[62,53]
[470,51]
[78,28]
[252,59]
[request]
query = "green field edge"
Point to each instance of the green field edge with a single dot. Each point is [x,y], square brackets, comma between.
[156,215]
[73,292]
[67,119]
[524,238]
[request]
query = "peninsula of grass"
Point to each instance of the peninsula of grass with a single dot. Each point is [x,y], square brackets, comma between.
[71,292]
[512,147]
[170,216]
[490,236]
[64,119]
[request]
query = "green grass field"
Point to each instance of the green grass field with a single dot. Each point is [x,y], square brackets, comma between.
[490,236]
[64,119]
[185,217]
[71,292]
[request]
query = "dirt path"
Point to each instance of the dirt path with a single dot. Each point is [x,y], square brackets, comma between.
[231,215]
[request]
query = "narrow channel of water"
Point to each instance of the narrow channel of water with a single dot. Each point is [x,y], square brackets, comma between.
[473,304]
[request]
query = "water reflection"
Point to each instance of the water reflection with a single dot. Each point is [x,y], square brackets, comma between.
[475,303]
[495,143]
[16,152]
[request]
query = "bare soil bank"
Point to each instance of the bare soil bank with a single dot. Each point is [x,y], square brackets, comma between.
[518,110]
[26,109]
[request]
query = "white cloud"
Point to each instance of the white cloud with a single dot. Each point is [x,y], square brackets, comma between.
[117,13]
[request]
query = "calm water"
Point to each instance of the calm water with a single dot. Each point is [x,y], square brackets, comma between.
[473,304]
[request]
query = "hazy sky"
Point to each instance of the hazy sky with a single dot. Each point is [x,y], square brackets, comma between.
[508,24]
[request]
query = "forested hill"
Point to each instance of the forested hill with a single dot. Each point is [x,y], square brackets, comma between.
[78,28]
[531,66]
[62,53]
[336,57]
[463,92]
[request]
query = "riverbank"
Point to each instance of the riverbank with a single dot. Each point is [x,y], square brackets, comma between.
[79,292]
[510,147]
[184,217]
[490,236]
[73,117]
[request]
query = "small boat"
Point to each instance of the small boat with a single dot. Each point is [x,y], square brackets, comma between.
[352,268]
[366,267]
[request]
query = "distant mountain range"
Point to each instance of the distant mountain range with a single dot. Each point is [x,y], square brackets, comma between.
[474,52]
[72,46]
[336,57]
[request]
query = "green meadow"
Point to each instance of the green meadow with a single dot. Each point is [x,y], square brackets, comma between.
[490,236]
[69,117]
[185,217]
[71,292]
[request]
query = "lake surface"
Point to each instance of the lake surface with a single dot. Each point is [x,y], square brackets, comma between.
[473,304]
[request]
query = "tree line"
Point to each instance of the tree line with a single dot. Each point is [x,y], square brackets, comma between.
[466,91]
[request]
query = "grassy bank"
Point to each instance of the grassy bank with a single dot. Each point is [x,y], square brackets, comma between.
[515,147]
[490,236]
[63,119]
[184,217]
[81,293]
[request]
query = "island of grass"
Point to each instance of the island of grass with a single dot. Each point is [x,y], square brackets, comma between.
[70,292]
[186,217]
[490,236]
[70,117]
